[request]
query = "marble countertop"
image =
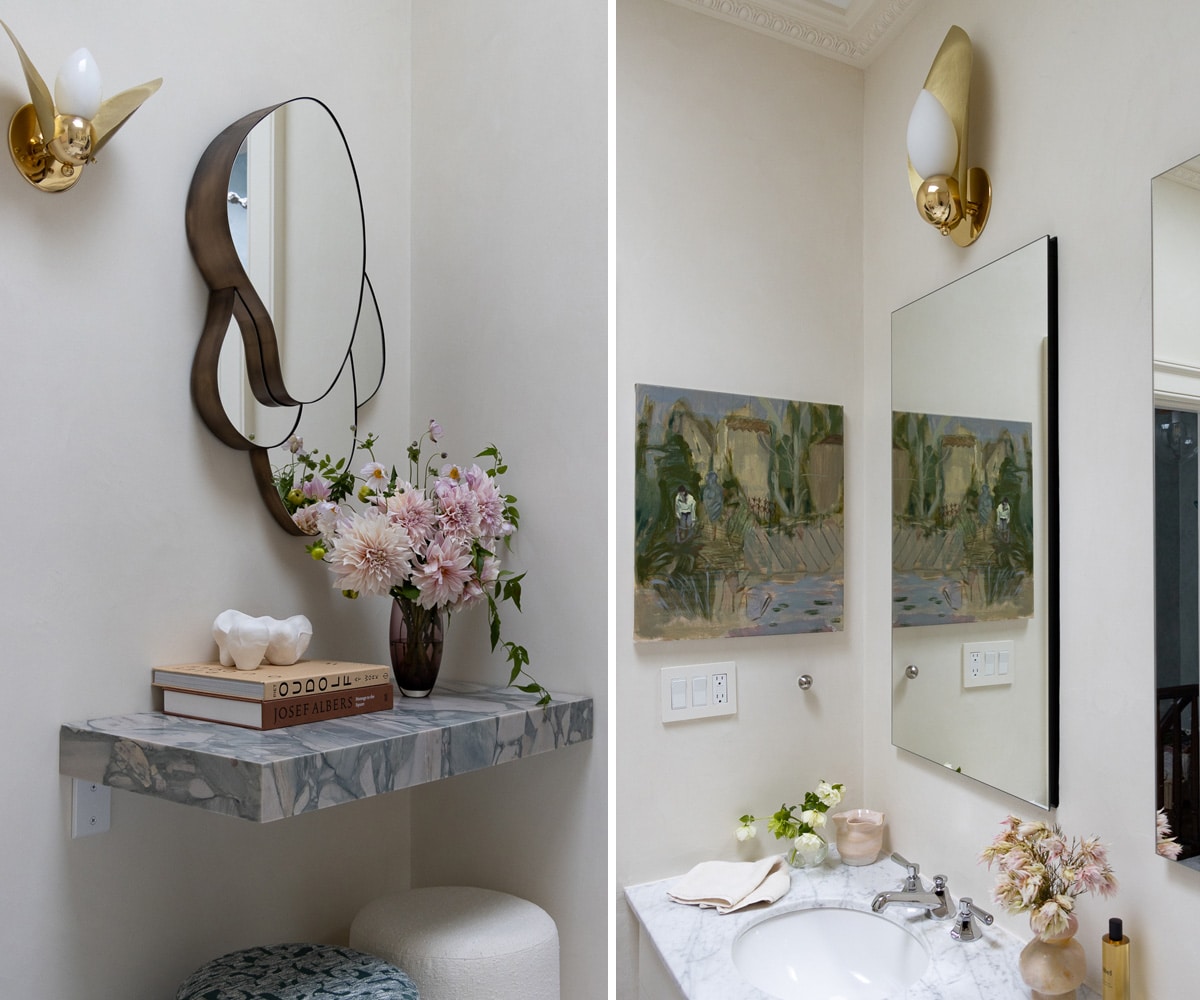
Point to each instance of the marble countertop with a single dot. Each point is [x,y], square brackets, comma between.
[263,776]
[695,945]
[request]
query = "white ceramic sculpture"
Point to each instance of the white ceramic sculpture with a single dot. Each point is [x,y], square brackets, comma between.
[243,641]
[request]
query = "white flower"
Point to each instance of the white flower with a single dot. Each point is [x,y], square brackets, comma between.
[747,831]
[370,555]
[807,842]
[828,794]
[813,817]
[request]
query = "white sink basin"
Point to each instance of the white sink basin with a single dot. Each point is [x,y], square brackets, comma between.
[829,953]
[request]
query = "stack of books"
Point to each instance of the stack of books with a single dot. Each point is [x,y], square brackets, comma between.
[273,697]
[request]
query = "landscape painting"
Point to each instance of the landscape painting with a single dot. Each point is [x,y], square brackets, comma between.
[962,531]
[739,515]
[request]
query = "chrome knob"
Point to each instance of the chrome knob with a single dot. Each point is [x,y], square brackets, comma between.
[804,681]
[911,671]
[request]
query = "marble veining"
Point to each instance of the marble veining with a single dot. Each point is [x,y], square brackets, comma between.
[696,945]
[263,776]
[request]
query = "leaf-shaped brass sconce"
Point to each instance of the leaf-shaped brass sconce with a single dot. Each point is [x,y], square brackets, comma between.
[74,118]
[948,194]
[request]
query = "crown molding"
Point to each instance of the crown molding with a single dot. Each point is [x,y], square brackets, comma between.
[853,35]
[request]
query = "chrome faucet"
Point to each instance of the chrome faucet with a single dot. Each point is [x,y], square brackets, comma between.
[937,903]
[964,928]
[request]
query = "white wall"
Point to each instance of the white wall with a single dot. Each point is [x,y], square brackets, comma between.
[1074,110]
[509,346]
[738,269]
[133,527]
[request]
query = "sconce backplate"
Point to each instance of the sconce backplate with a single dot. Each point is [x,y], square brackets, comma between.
[28,149]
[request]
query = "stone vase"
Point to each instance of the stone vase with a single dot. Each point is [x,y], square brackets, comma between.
[415,641]
[1053,967]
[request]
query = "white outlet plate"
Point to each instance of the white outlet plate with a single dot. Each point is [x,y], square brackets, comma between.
[987,664]
[708,689]
[91,807]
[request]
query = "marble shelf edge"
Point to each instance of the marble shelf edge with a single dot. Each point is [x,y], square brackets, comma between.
[265,776]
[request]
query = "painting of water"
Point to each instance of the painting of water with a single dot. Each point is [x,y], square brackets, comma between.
[962,519]
[739,515]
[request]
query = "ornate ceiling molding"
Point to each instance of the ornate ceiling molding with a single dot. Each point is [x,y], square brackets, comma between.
[852,35]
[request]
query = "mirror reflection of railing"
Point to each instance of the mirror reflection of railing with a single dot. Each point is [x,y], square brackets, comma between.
[1175,210]
[293,342]
[975,498]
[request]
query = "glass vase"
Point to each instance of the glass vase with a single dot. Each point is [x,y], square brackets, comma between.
[807,851]
[415,640]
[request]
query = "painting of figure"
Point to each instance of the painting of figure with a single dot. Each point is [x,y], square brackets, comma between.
[739,515]
[962,519]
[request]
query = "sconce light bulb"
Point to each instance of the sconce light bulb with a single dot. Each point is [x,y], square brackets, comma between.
[77,86]
[932,139]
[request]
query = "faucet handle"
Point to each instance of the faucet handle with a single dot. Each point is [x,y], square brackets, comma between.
[912,882]
[964,928]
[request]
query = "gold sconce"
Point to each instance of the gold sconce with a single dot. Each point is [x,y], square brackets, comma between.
[75,118]
[949,195]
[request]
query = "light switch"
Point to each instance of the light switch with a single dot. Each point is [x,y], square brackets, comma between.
[697,691]
[1002,669]
[678,693]
[989,663]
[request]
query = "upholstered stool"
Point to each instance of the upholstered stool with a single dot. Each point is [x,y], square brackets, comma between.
[297,972]
[458,942]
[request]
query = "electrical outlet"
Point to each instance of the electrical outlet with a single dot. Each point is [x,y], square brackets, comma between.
[698,691]
[987,664]
[91,807]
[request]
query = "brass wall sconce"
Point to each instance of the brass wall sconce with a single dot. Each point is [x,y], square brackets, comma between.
[76,120]
[949,195]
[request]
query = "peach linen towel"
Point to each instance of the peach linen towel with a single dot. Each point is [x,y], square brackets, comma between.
[731,885]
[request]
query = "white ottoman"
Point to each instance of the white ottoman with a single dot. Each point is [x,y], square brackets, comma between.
[463,943]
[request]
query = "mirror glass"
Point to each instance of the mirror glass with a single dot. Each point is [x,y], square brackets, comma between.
[974,509]
[294,342]
[1175,199]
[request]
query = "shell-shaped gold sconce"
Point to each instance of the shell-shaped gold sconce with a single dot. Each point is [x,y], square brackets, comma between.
[949,195]
[53,137]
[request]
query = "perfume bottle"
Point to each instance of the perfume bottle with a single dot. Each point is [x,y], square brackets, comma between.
[1115,961]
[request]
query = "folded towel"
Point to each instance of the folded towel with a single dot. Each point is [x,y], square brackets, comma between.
[731,885]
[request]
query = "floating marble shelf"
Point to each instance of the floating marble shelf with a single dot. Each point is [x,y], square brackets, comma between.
[264,776]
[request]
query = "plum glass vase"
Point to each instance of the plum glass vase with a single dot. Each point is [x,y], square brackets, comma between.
[415,640]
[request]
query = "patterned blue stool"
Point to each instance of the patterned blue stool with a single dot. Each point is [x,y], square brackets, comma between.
[297,972]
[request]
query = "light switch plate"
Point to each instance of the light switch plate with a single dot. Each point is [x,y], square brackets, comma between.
[710,689]
[987,664]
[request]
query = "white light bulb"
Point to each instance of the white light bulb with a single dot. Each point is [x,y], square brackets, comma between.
[77,86]
[932,140]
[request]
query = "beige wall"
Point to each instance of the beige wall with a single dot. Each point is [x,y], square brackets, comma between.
[510,319]
[133,527]
[738,269]
[509,346]
[1076,108]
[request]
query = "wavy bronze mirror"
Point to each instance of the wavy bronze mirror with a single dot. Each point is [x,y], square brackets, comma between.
[293,341]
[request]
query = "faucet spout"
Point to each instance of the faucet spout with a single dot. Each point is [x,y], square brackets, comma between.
[936,903]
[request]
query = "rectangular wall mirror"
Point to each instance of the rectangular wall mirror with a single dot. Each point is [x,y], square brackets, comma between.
[1175,200]
[974,525]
